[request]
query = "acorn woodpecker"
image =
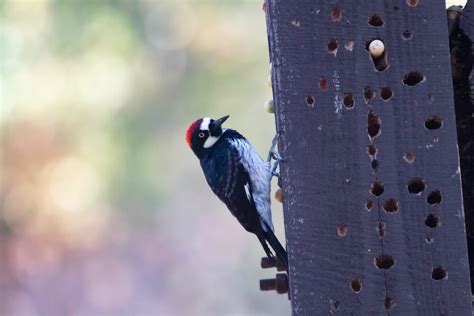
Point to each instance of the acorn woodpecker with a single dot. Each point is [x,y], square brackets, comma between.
[238,176]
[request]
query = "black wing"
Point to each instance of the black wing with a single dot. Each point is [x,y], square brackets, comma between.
[229,180]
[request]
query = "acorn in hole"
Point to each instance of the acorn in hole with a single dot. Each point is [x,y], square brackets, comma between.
[376,48]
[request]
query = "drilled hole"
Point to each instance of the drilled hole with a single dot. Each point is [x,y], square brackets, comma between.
[432,221]
[342,230]
[377,188]
[380,62]
[386,93]
[332,46]
[310,100]
[368,205]
[389,303]
[369,95]
[373,124]
[407,35]
[413,78]
[434,197]
[412,3]
[372,150]
[439,273]
[373,130]
[323,84]
[433,122]
[348,100]
[384,262]
[349,45]
[374,164]
[390,206]
[381,229]
[336,14]
[429,240]
[356,285]
[409,157]
[375,20]
[416,185]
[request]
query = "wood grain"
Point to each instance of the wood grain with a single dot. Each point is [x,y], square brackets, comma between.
[327,172]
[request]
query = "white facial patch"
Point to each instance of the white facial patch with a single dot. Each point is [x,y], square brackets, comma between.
[205,124]
[211,140]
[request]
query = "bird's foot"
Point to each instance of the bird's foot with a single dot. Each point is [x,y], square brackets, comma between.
[274,168]
[273,152]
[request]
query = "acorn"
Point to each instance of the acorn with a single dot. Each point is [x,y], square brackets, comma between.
[376,48]
[269,106]
[279,195]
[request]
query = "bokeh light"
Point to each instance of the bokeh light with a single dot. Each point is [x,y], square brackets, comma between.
[104,209]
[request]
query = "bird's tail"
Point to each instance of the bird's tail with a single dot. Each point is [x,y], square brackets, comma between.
[276,245]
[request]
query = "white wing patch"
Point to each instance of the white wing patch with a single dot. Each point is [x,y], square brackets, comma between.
[260,176]
[247,191]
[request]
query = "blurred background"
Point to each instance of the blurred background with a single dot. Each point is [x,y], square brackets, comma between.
[103,208]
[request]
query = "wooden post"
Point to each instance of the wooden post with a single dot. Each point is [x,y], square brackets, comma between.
[372,195]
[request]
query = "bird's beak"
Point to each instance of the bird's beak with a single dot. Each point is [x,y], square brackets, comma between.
[221,120]
[215,127]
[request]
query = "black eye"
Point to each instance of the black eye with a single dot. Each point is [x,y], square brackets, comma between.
[201,135]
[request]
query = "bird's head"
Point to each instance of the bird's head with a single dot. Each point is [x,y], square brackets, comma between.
[203,133]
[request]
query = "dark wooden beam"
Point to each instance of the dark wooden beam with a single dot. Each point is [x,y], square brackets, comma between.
[373,205]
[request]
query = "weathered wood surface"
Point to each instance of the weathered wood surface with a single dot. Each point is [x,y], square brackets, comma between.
[329,176]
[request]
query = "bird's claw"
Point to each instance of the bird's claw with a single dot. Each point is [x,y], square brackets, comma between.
[272,152]
[275,155]
[274,168]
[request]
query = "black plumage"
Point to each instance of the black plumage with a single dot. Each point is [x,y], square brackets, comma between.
[228,176]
